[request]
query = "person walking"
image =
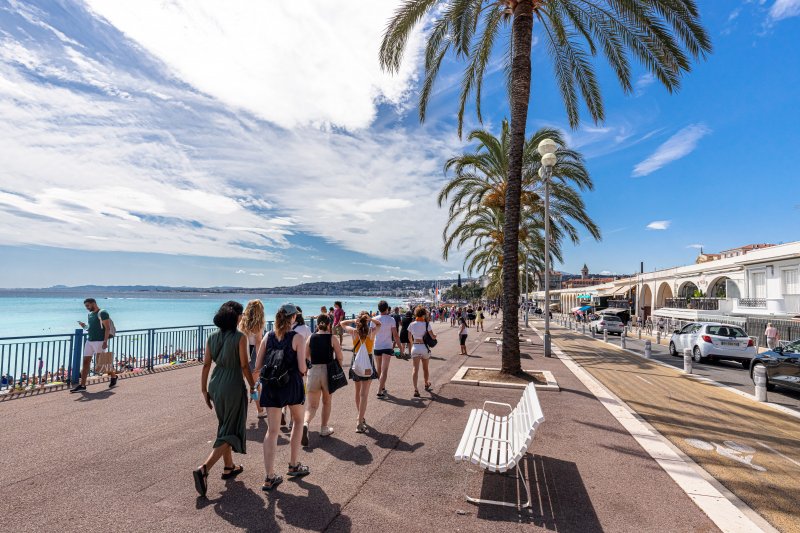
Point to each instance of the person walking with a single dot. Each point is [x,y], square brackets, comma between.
[405,343]
[479,318]
[338,316]
[385,339]
[363,337]
[419,351]
[252,325]
[771,333]
[322,347]
[226,393]
[98,331]
[283,352]
[462,336]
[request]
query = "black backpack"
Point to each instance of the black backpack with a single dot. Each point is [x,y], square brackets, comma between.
[275,373]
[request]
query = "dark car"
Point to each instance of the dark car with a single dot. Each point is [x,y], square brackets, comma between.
[783,366]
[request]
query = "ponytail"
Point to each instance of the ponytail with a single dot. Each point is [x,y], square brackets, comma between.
[283,323]
[362,326]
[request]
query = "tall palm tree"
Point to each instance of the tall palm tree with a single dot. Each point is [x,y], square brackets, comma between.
[661,34]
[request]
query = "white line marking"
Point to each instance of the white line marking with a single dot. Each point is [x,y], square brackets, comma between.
[770,448]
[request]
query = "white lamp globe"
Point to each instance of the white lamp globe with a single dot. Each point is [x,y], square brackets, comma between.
[547,146]
[549,160]
[541,172]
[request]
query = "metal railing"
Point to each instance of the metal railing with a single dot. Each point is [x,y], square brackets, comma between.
[701,304]
[753,302]
[35,361]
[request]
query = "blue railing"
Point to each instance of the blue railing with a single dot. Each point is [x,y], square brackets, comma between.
[35,361]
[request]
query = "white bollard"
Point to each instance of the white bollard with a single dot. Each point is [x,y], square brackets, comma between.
[605,335]
[593,333]
[648,350]
[687,360]
[640,333]
[760,380]
[583,326]
[658,337]
[622,342]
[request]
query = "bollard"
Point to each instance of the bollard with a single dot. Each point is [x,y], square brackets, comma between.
[605,335]
[760,380]
[658,337]
[640,333]
[583,326]
[687,360]
[648,350]
[594,335]
[622,342]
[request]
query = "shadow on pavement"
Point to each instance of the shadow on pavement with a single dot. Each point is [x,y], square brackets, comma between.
[387,441]
[455,402]
[560,500]
[243,508]
[344,451]
[295,509]
[89,396]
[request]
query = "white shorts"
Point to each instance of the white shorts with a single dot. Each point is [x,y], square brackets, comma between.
[92,348]
[420,350]
[317,379]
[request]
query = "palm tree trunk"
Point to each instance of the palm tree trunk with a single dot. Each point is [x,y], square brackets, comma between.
[522,32]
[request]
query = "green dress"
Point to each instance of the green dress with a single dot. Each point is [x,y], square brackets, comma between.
[228,390]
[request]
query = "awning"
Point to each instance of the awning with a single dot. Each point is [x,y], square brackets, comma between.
[586,308]
[574,309]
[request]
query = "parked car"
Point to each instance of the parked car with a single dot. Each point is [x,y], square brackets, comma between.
[714,342]
[610,322]
[783,366]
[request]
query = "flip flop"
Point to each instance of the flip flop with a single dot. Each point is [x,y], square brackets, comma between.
[201,480]
[232,471]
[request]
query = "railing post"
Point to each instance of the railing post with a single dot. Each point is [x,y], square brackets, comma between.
[77,351]
[151,343]
[313,322]
[200,343]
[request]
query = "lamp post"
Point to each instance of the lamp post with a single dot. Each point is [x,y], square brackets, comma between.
[547,149]
[527,303]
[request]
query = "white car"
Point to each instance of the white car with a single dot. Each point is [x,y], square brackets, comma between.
[713,341]
[610,322]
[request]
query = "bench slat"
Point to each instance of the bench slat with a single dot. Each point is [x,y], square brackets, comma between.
[478,444]
[462,452]
[488,445]
[506,428]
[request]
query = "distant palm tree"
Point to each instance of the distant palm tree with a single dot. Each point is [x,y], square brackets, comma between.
[660,34]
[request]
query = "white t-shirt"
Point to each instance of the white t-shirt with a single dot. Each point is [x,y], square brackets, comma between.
[418,329]
[304,331]
[384,339]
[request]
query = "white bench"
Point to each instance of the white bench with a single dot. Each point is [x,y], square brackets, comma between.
[498,443]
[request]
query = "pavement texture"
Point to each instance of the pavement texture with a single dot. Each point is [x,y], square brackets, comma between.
[753,450]
[121,460]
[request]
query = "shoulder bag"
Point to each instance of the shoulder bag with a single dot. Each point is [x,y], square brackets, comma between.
[336,377]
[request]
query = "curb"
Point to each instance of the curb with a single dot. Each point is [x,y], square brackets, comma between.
[552,384]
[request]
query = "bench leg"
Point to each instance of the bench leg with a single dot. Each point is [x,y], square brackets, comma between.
[478,501]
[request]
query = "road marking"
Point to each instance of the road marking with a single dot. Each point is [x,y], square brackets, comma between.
[770,448]
[645,380]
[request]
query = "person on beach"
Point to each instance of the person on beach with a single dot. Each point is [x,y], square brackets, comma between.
[462,336]
[98,331]
[283,352]
[252,325]
[338,316]
[364,335]
[771,333]
[226,393]
[419,351]
[385,340]
[321,348]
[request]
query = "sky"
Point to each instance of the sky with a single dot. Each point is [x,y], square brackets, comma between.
[258,144]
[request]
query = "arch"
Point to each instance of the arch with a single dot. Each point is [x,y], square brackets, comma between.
[664,292]
[646,303]
[687,290]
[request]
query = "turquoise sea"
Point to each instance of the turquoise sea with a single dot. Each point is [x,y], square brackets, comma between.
[38,313]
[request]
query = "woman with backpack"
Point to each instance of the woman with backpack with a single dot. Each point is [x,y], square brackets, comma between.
[419,350]
[362,368]
[252,325]
[281,362]
[322,347]
[225,392]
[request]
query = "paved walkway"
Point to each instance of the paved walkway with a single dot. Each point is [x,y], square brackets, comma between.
[121,460]
[753,450]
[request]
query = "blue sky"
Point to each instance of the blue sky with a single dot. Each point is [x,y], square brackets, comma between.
[191,143]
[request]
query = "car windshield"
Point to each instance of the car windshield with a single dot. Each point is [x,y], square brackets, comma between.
[611,318]
[792,347]
[726,331]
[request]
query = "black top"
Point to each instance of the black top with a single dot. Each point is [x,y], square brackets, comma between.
[285,344]
[406,321]
[321,348]
[397,320]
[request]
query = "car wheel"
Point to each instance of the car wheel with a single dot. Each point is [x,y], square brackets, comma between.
[770,385]
[672,351]
[697,355]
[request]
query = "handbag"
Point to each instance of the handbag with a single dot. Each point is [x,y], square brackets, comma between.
[104,363]
[429,341]
[336,377]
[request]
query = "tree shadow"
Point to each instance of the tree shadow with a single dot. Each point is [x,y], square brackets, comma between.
[344,451]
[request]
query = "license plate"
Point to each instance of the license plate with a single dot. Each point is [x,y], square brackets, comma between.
[730,343]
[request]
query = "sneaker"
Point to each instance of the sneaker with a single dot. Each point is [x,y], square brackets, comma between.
[79,388]
[298,470]
[304,440]
[112,383]
[361,427]
[326,431]
[382,394]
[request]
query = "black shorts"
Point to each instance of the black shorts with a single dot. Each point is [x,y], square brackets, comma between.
[462,339]
[384,351]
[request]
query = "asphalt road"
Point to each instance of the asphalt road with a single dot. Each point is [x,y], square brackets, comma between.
[725,372]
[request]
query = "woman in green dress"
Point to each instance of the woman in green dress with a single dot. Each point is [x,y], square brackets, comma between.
[226,392]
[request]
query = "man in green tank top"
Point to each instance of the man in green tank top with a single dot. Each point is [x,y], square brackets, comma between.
[98,330]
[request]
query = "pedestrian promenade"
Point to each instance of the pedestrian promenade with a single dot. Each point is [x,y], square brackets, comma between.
[750,448]
[121,459]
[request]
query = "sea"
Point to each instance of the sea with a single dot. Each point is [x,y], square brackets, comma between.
[26,313]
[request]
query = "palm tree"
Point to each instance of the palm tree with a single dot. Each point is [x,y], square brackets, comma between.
[660,34]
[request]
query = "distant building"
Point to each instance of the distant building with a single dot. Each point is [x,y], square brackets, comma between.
[733,252]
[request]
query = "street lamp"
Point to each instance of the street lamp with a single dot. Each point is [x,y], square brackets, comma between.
[547,149]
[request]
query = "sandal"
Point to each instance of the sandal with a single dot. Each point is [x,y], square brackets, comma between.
[263,414]
[201,480]
[429,387]
[416,394]
[298,470]
[271,482]
[232,471]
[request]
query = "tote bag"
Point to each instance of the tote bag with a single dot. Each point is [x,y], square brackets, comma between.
[336,377]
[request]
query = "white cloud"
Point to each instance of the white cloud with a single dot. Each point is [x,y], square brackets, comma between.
[679,145]
[605,272]
[453,272]
[306,276]
[659,224]
[644,81]
[289,63]
[783,9]
[696,246]
[240,271]
[289,277]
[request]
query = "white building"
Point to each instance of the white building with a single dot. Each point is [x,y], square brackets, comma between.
[763,281]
